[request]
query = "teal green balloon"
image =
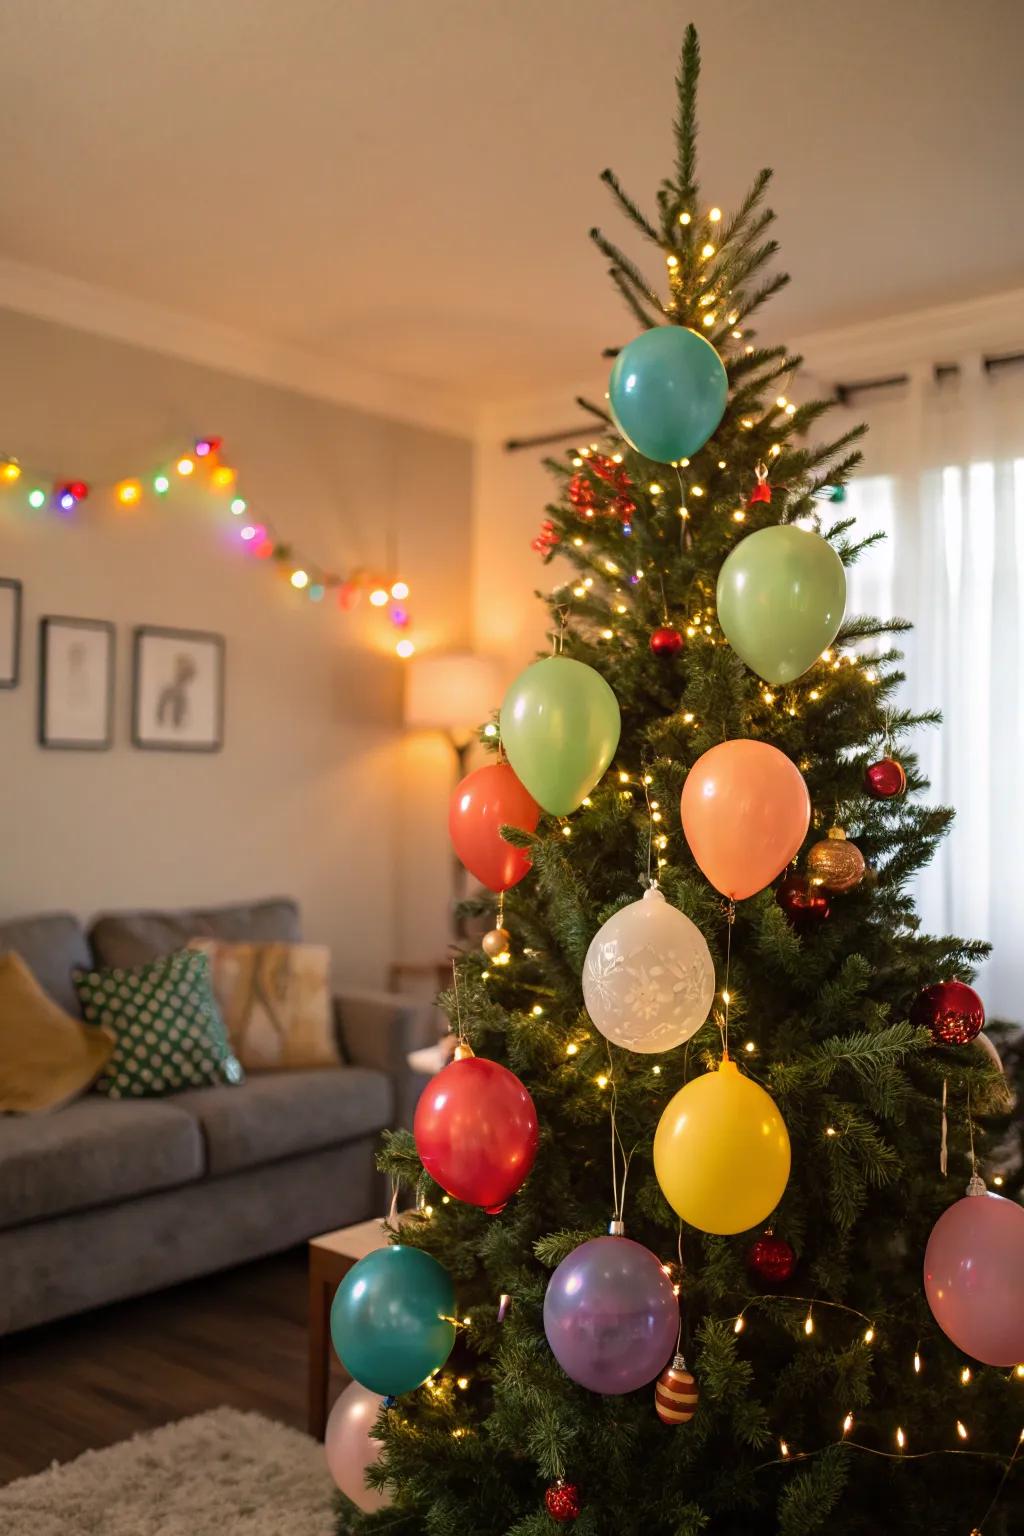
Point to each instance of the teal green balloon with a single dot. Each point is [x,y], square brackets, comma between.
[391,1319]
[668,390]
[781,600]
[560,727]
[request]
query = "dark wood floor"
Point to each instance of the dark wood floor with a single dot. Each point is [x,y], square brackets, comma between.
[238,1338]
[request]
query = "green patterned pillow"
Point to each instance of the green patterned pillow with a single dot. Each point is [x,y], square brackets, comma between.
[164,1018]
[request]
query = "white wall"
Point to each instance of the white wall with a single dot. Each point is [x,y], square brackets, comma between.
[316,793]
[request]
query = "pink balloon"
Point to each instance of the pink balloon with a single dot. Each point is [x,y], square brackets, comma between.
[350,1447]
[974,1277]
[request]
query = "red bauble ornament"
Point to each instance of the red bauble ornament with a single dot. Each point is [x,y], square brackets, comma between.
[885,779]
[676,1394]
[762,492]
[951,1010]
[486,800]
[546,539]
[804,905]
[666,641]
[771,1259]
[562,1502]
[476,1132]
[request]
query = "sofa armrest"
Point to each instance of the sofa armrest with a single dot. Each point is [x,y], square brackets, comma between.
[379,1029]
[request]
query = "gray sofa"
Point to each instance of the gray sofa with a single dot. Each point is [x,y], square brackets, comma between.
[106,1199]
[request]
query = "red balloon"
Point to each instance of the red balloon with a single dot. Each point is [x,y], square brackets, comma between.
[973,1269]
[951,1010]
[476,1132]
[488,799]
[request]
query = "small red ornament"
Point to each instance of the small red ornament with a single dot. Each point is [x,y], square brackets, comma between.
[676,1394]
[805,906]
[666,641]
[762,492]
[582,493]
[885,779]
[546,539]
[562,1502]
[771,1260]
[951,1010]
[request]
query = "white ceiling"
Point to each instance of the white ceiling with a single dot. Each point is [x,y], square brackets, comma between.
[405,186]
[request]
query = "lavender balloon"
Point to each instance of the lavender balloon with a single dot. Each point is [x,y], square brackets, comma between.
[974,1276]
[610,1315]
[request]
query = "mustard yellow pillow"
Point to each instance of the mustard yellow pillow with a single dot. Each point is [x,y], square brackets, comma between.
[47,1058]
[275,1000]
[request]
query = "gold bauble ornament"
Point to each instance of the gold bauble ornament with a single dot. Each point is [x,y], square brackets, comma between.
[496,942]
[835,864]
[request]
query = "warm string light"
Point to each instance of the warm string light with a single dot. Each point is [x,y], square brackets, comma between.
[255,537]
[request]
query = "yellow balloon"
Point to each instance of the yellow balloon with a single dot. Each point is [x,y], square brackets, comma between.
[721,1152]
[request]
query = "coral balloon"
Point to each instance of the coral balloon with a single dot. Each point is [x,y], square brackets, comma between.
[667,391]
[486,800]
[648,980]
[560,726]
[721,1152]
[781,600]
[610,1315]
[391,1319]
[350,1447]
[745,811]
[476,1132]
[974,1276]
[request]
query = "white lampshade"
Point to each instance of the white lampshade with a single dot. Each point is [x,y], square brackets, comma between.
[455,693]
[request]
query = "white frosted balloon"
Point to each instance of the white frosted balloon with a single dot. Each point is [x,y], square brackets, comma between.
[648,980]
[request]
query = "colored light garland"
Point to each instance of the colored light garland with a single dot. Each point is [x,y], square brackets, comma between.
[203,464]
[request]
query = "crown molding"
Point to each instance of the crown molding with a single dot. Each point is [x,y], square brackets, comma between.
[943,333]
[102,312]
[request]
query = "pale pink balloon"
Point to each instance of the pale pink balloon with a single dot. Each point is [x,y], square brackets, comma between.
[974,1277]
[350,1447]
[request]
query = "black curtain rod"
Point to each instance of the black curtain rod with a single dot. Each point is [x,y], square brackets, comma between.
[842,394]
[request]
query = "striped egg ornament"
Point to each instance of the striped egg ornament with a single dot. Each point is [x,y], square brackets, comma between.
[676,1394]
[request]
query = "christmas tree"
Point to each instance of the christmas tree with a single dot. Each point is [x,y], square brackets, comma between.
[815,1390]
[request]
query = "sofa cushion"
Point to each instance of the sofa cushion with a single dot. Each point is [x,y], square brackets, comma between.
[47,1058]
[278,1114]
[52,947]
[94,1152]
[128,939]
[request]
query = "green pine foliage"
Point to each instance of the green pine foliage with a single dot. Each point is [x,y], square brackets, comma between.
[820,1018]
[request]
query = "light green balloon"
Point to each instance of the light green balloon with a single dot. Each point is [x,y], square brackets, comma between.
[781,600]
[560,727]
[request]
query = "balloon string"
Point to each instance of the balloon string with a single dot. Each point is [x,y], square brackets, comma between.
[618,1152]
[679,1251]
[730,919]
[501,909]
[970,1132]
[684,518]
[650,825]
[459,1030]
[396,1184]
[944,1145]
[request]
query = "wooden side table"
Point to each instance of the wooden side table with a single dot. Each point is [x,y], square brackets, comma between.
[331,1256]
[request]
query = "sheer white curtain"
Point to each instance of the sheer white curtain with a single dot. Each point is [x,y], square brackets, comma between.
[944,479]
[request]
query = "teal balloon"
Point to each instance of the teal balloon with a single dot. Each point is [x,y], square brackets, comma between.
[668,390]
[391,1319]
[781,600]
[560,727]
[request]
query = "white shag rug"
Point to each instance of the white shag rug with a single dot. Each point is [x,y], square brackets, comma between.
[223,1473]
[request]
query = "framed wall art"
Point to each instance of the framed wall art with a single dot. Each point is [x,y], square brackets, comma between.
[76,684]
[10,632]
[178,690]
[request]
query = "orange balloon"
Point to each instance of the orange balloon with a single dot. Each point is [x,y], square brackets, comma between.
[487,800]
[745,811]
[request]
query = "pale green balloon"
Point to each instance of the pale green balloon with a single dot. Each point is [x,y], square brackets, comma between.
[781,600]
[560,727]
